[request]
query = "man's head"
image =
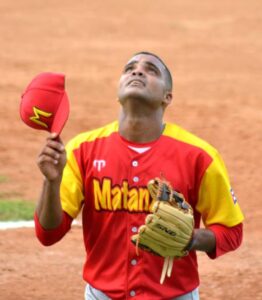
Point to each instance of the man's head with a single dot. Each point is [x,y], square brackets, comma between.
[169,80]
[146,79]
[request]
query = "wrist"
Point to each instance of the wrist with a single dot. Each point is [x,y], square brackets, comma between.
[203,240]
[191,244]
[52,181]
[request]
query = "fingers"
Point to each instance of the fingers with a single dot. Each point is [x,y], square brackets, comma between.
[54,141]
[50,154]
[45,158]
[53,150]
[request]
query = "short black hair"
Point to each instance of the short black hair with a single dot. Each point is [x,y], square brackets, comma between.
[168,73]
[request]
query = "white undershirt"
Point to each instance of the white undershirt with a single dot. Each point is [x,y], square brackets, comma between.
[139,149]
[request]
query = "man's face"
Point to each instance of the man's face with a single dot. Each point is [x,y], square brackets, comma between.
[143,79]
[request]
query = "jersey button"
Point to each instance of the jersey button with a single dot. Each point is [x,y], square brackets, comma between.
[132,293]
[134,229]
[133,262]
[135,179]
[134,163]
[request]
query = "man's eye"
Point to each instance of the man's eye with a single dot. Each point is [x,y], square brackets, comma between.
[152,71]
[128,69]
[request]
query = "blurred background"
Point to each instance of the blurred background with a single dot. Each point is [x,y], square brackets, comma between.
[213,49]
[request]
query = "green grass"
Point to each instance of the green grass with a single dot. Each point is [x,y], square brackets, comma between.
[3,178]
[14,210]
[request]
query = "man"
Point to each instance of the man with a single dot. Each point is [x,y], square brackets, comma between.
[106,171]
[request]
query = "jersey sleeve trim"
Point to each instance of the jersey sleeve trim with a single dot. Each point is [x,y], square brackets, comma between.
[227,238]
[51,236]
[71,189]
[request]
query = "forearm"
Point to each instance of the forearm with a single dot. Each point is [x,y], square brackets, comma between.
[49,210]
[203,240]
[218,239]
[51,162]
[50,236]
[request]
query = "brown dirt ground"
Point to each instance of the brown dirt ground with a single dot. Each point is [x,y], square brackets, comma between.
[214,51]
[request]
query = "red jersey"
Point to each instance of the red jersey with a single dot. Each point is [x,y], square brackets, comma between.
[107,178]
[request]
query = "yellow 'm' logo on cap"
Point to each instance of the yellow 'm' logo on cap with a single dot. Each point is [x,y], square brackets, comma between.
[38,113]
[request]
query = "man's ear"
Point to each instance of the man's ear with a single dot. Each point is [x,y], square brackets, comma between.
[168,98]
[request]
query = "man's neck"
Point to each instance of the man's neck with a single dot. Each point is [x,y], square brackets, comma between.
[140,129]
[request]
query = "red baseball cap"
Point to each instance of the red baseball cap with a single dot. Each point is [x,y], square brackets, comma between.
[44,104]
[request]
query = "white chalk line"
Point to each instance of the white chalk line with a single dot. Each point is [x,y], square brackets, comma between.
[4,225]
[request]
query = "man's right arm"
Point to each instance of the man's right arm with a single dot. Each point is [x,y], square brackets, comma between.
[51,162]
[49,210]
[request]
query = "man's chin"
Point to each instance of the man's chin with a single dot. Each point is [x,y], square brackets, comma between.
[134,96]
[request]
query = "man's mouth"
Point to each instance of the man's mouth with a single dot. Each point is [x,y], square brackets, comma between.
[136,82]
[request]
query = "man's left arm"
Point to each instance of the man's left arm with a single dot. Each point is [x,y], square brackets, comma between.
[220,212]
[217,239]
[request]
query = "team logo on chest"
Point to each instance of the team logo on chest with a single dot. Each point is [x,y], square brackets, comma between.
[111,197]
[99,164]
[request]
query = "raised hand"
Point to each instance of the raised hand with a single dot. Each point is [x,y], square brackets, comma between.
[52,159]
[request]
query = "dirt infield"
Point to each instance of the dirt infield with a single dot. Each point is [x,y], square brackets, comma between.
[214,51]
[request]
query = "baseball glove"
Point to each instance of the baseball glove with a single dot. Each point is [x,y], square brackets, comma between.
[168,231]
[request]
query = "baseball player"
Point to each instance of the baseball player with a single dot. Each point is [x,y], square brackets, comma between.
[105,173]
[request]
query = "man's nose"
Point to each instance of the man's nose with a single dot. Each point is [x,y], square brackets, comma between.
[138,72]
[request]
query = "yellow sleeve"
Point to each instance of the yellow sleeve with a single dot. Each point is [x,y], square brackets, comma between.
[216,200]
[71,190]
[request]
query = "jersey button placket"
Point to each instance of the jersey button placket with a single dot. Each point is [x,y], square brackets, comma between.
[134,229]
[136,179]
[133,262]
[134,265]
[134,163]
